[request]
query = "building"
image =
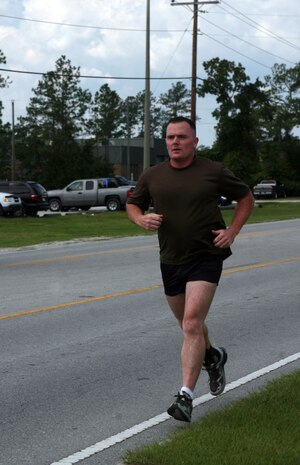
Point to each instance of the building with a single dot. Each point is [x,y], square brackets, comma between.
[127,155]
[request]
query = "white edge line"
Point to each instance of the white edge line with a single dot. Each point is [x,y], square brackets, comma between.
[134,430]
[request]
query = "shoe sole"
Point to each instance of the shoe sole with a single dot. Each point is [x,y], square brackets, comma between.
[175,412]
[221,364]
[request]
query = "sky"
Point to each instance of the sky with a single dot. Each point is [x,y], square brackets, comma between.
[106,39]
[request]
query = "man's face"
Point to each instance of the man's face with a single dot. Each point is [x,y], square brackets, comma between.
[181,143]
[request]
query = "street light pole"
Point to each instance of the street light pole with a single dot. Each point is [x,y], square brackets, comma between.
[13,154]
[147,92]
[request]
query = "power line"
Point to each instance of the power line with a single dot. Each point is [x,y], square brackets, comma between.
[158,30]
[261,14]
[258,26]
[254,36]
[239,53]
[249,43]
[85,26]
[176,48]
[129,78]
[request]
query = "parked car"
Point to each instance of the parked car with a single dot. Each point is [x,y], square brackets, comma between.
[33,195]
[87,193]
[10,205]
[269,188]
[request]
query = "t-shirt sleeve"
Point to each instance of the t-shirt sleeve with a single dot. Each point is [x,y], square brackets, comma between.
[231,186]
[140,196]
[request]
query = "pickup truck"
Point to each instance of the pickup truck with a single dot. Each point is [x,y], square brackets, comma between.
[269,188]
[87,193]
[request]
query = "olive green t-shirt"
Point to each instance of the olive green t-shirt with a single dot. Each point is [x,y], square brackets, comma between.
[187,198]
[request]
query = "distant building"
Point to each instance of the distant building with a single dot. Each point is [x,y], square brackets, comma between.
[127,156]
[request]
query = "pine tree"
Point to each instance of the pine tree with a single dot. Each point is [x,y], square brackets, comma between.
[56,119]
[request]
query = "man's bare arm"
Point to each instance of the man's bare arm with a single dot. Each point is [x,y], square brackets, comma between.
[149,221]
[225,237]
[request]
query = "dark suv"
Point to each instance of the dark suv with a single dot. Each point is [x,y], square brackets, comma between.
[33,195]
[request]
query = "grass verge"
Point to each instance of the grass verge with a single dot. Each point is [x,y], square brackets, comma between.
[262,429]
[18,232]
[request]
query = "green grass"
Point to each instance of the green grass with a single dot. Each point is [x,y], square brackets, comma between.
[275,211]
[262,429]
[17,232]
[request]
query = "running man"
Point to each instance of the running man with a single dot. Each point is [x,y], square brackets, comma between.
[194,242]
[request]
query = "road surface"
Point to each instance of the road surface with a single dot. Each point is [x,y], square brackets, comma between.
[89,348]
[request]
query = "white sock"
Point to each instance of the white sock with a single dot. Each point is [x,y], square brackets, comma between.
[187,390]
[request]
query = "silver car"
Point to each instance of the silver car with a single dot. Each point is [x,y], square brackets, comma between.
[10,205]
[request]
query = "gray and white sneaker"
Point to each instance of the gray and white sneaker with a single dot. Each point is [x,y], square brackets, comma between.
[182,408]
[216,372]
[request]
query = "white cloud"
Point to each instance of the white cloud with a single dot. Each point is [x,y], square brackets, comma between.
[115,52]
[33,56]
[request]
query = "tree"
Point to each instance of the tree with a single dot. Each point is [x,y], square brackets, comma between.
[175,102]
[283,112]
[4,81]
[239,100]
[5,131]
[279,151]
[155,114]
[107,115]
[5,151]
[56,118]
[130,117]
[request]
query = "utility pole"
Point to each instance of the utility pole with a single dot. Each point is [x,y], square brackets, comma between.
[194,63]
[195,4]
[13,154]
[147,92]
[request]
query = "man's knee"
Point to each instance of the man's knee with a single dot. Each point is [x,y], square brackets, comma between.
[191,326]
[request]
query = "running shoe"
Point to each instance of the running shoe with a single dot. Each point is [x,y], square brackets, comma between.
[216,373]
[182,408]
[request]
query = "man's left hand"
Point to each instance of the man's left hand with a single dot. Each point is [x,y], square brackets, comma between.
[224,238]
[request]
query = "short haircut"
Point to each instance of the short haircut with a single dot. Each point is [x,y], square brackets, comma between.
[182,119]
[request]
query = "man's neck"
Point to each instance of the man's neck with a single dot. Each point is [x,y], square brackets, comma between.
[180,164]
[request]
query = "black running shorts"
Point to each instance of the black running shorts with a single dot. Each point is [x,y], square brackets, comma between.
[206,268]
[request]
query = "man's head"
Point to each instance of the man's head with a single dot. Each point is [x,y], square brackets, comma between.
[181,141]
[182,119]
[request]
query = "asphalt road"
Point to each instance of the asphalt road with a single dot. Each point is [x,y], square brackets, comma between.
[89,347]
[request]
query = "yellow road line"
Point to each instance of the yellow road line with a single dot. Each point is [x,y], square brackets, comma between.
[259,265]
[79,302]
[267,232]
[77,257]
[140,290]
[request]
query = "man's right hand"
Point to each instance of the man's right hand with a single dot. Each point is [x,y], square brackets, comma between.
[150,221]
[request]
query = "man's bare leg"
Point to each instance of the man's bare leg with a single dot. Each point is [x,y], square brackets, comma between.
[191,309]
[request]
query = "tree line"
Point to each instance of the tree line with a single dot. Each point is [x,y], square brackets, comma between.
[55,139]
